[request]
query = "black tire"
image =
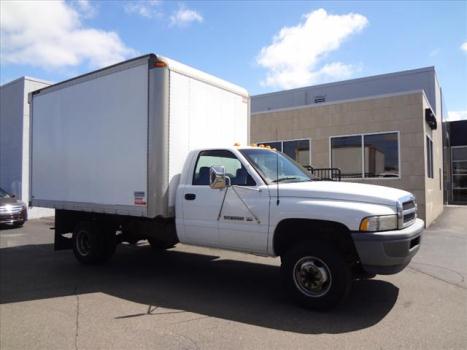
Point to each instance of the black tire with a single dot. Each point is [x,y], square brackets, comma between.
[108,243]
[159,245]
[363,275]
[92,245]
[316,275]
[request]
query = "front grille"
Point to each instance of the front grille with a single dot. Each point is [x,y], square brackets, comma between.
[409,217]
[11,209]
[9,217]
[409,213]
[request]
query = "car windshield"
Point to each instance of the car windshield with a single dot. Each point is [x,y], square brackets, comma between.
[4,194]
[266,163]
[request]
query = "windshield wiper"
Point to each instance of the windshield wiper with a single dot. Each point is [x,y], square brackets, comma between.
[285,179]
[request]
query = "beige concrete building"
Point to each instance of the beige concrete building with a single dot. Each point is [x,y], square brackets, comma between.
[391,139]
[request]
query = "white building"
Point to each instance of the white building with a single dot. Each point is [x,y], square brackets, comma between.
[14,139]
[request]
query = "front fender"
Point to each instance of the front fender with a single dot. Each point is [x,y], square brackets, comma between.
[347,213]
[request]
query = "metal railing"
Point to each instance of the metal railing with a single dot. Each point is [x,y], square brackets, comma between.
[324,174]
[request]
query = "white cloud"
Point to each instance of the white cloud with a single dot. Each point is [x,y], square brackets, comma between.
[464,47]
[456,115]
[293,57]
[49,34]
[144,8]
[86,8]
[184,16]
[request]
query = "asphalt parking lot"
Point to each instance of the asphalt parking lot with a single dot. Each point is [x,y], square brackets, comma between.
[197,298]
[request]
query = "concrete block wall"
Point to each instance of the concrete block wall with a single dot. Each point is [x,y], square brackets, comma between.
[403,112]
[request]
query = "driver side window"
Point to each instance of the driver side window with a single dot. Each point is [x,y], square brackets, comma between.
[234,169]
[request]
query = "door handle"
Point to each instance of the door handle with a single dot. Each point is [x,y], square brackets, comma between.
[190,196]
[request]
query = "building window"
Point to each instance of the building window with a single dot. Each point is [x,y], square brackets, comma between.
[299,150]
[459,174]
[346,154]
[429,157]
[366,155]
[381,155]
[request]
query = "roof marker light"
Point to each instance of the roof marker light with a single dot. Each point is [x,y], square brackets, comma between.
[160,64]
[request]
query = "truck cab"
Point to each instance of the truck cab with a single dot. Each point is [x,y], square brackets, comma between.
[258,200]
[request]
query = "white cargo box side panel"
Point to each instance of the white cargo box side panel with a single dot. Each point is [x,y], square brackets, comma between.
[89,143]
[202,115]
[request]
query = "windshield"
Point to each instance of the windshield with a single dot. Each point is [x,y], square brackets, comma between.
[265,162]
[4,194]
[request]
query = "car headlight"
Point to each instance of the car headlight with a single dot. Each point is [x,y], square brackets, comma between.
[379,223]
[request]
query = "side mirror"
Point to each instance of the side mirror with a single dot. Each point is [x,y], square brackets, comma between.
[12,195]
[217,178]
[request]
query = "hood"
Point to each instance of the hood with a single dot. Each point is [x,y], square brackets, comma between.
[9,200]
[346,191]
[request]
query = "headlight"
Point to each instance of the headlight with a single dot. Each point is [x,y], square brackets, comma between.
[379,223]
[400,215]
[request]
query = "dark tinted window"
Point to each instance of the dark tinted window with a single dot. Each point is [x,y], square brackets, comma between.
[459,174]
[372,155]
[381,155]
[429,157]
[298,150]
[346,154]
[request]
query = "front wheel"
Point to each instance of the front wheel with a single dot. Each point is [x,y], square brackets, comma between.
[316,275]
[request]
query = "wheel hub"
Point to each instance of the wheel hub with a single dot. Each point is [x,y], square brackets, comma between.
[312,276]
[83,246]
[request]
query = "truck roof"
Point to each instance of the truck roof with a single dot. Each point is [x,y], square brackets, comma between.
[200,75]
[233,148]
[171,64]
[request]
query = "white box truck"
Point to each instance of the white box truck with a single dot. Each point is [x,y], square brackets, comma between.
[153,149]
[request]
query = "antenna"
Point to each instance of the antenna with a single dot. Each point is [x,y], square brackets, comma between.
[277,172]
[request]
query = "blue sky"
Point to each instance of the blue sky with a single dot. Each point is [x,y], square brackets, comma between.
[262,46]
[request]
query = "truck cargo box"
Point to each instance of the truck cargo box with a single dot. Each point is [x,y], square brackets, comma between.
[115,140]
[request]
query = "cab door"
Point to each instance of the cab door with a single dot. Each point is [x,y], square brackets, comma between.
[201,204]
[235,217]
[244,221]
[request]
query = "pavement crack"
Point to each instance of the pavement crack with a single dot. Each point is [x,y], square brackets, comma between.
[76,318]
[436,277]
[191,320]
[442,268]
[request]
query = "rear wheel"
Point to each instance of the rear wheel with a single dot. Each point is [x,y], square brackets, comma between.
[316,275]
[92,245]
